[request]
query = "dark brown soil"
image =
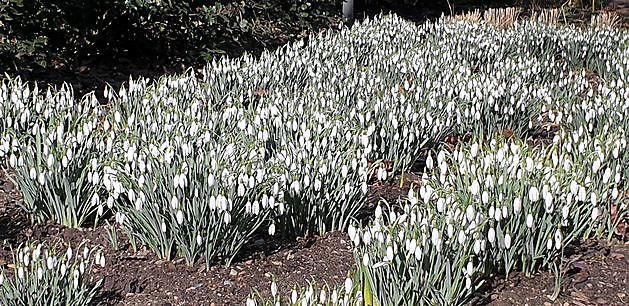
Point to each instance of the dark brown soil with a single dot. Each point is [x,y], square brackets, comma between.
[598,275]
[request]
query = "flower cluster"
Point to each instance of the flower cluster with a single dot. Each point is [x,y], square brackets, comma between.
[347,294]
[41,276]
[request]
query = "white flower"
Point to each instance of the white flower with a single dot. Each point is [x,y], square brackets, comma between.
[273,288]
[533,194]
[293,297]
[491,235]
[251,302]
[179,217]
[412,246]
[529,221]
[378,212]
[163,227]
[272,229]
[475,187]
[565,211]
[558,239]
[530,164]
[595,213]
[348,285]
[174,202]
[429,162]
[469,268]
[441,204]
[596,165]
[389,256]
[351,231]
[322,296]
[549,244]
[366,260]
[20,272]
[485,197]
[477,246]
[474,150]
[517,205]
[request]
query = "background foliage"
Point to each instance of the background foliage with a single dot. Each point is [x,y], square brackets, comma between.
[41,33]
[45,34]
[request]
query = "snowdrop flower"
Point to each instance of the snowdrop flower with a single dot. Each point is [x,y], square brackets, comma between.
[485,197]
[63,269]
[517,205]
[348,285]
[474,150]
[558,239]
[293,297]
[322,296]
[429,162]
[179,217]
[251,302]
[273,288]
[344,171]
[69,253]
[533,194]
[529,221]
[491,235]
[530,164]
[477,246]
[595,213]
[475,187]
[351,232]
[174,202]
[389,256]
[272,229]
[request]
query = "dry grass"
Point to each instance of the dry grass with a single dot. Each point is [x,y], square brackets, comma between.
[501,17]
[606,18]
[547,16]
[471,16]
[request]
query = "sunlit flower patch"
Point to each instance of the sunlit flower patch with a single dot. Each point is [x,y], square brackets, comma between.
[287,144]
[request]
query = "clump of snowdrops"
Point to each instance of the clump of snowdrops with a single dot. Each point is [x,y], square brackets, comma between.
[49,148]
[42,276]
[347,294]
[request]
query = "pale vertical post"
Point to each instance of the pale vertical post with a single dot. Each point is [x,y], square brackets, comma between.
[348,10]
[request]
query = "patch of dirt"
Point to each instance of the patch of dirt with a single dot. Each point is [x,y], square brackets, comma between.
[598,275]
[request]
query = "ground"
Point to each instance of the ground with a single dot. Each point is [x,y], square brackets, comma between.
[598,275]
